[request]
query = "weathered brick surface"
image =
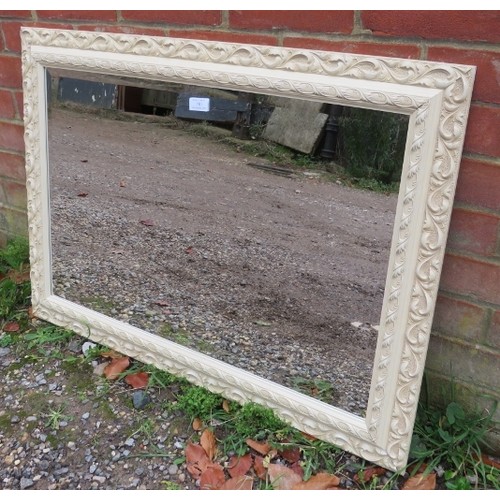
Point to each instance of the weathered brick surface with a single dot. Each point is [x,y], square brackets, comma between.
[7,105]
[12,166]
[478,184]
[14,194]
[478,367]
[477,26]
[16,13]
[188,17]
[474,232]
[458,318]
[405,51]
[10,71]
[482,131]
[493,338]
[306,21]
[13,222]
[11,137]
[78,15]
[472,278]
[223,36]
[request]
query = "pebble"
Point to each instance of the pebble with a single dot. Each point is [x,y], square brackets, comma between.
[26,482]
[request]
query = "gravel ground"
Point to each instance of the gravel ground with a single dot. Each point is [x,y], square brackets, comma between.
[264,272]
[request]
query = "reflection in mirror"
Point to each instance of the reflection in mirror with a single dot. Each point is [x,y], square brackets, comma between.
[228,222]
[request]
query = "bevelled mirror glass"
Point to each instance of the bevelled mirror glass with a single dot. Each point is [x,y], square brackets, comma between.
[209,208]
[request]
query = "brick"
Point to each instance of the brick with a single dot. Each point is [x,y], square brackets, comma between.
[7,106]
[478,184]
[10,72]
[16,13]
[482,131]
[471,278]
[368,48]
[193,17]
[14,194]
[464,25]
[78,15]
[309,21]
[11,137]
[11,31]
[462,362]
[12,166]
[18,96]
[14,222]
[222,36]
[493,338]
[119,28]
[473,232]
[457,318]
[488,69]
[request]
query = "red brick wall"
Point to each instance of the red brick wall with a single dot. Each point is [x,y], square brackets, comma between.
[467,320]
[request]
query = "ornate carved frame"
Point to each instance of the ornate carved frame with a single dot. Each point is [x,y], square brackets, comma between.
[435,96]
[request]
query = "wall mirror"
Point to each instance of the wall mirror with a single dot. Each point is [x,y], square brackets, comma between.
[177,214]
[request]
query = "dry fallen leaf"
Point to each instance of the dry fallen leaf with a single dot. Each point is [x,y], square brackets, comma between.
[207,441]
[421,482]
[238,483]
[11,327]
[137,380]
[320,481]
[259,467]
[282,477]
[197,424]
[260,447]
[117,366]
[213,477]
[82,195]
[197,460]
[19,276]
[226,406]
[239,466]
[147,222]
[291,454]
[123,183]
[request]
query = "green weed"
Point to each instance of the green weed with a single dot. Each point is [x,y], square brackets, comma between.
[54,418]
[452,440]
[15,255]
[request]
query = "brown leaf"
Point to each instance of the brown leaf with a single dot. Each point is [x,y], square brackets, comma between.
[421,482]
[84,161]
[239,466]
[238,483]
[30,312]
[320,481]
[123,183]
[82,194]
[197,424]
[117,366]
[491,461]
[226,406]
[197,460]
[207,441]
[260,447]
[147,222]
[11,326]
[364,476]
[297,468]
[291,454]
[189,250]
[213,477]
[137,380]
[259,468]
[282,477]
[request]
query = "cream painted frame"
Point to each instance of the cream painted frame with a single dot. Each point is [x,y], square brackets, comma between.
[435,96]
